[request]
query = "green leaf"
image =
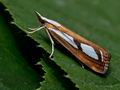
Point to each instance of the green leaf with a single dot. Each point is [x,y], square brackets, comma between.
[52,79]
[97,20]
[15,73]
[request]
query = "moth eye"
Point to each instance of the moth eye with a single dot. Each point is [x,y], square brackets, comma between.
[89,51]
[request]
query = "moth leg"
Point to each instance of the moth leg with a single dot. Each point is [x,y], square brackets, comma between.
[52,42]
[83,66]
[35,29]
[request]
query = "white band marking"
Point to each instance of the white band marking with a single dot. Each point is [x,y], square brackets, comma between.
[89,51]
[66,37]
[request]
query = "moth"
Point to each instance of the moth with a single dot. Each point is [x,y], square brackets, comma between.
[88,53]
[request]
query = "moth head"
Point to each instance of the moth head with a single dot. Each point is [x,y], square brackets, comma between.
[44,20]
[40,17]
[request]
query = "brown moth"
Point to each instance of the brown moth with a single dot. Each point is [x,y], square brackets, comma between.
[90,54]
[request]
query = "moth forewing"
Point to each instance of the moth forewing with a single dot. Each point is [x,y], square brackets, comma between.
[99,66]
[90,54]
